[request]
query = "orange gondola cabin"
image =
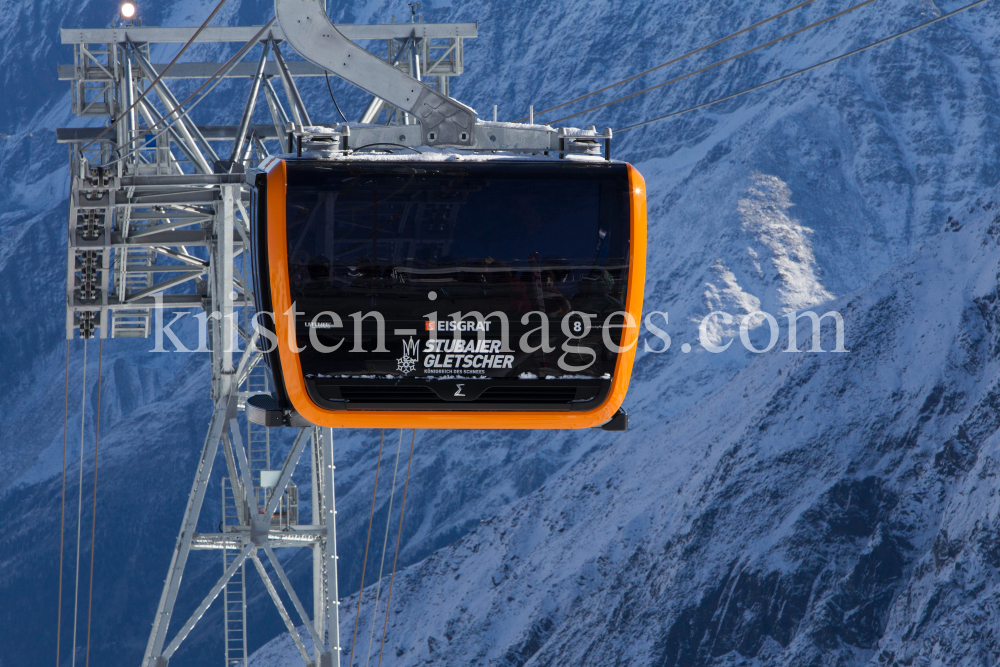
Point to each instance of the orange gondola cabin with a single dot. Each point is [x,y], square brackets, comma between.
[430,291]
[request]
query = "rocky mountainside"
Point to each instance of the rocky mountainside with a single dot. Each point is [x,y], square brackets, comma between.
[775,509]
[836,509]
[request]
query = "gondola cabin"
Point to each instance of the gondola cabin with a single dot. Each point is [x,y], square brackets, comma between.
[400,291]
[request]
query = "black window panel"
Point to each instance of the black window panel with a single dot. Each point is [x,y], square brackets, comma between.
[512,236]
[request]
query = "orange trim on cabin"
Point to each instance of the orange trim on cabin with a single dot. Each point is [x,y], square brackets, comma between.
[291,367]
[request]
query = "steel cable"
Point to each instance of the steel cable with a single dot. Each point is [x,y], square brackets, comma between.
[328,87]
[672,61]
[79,507]
[62,518]
[399,536]
[160,76]
[93,520]
[385,544]
[806,69]
[720,62]
[364,562]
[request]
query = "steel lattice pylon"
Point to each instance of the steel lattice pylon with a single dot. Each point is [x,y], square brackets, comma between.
[165,227]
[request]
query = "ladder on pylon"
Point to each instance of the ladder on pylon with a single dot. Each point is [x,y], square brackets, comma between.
[258,440]
[259,458]
[234,595]
[131,279]
[235,600]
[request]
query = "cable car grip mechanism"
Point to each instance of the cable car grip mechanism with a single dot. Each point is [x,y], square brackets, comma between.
[307,27]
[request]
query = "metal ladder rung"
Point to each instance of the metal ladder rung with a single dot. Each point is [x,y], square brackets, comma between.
[234,592]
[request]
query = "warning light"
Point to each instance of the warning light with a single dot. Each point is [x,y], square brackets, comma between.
[127,10]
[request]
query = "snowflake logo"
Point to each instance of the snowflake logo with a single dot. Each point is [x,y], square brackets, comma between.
[411,355]
[406,364]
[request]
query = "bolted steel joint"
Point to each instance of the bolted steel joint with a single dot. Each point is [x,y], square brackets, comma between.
[260,528]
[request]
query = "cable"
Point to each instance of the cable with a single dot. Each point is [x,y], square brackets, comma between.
[807,69]
[226,66]
[385,544]
[399,536]
[160,76]
[721,62]
[334,98]
[386,143]
[93,521]
[671,62]
[62,519]
[364,562]
[79,507]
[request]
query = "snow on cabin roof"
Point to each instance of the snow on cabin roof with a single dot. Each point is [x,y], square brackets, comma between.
[428,154]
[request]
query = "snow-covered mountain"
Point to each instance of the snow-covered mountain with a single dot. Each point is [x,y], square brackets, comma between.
[799,509]
[815,510]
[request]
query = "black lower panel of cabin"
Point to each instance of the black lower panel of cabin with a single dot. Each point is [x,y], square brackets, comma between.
[479,395]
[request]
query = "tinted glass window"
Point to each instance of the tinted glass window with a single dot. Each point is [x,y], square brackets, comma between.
[417,242]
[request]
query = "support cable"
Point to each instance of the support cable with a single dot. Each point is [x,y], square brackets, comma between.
[364,562]
[399,537]
[672,61]
[93,521]
[62,518]
[806,69]
[385,544]
[328,87]
[774,41]
[79,506]
[159,76]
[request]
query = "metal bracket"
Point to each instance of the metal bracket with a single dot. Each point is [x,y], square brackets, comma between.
[344,139]
[263,409]
[618,422]
[443,121]
[260,530]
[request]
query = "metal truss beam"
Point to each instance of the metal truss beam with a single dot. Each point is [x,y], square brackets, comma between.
[289,625]
[299,112]
[245,33]
[323,441]
[168,597]
[180,301]
[299,609]
[278,115]
[241,133]
[187,129]
[213,593]
[296,68]
[305,536]
[69,135]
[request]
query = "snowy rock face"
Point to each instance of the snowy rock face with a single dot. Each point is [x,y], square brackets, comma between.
[781,509]
[844,513]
